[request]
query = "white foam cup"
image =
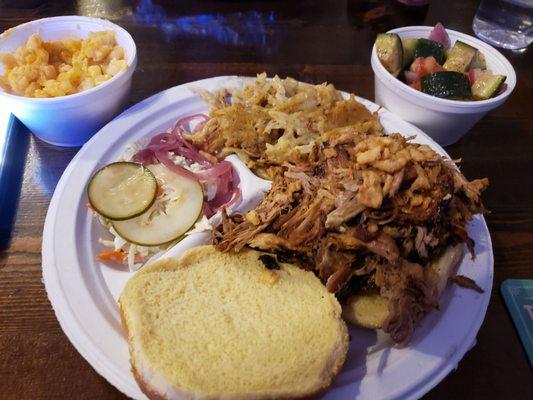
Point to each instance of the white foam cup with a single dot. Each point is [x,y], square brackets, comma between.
[446,121]
[69,120]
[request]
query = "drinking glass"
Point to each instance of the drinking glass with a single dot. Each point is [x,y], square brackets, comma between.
[505,23]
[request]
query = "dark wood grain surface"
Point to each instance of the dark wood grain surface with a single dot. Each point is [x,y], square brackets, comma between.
[318,41]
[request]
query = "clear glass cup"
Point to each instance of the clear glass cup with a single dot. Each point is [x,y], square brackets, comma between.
[505,23]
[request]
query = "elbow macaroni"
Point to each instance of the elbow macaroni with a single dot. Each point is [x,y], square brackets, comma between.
[53,69]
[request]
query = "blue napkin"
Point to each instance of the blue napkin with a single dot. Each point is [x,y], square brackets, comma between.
[518,296]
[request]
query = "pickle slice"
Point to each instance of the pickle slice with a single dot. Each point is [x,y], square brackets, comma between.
[122,190]
[168,219]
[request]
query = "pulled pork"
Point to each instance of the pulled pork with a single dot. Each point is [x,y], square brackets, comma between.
[362,206]
[467,283]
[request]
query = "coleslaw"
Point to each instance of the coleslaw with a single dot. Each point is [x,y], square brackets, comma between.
[217,178]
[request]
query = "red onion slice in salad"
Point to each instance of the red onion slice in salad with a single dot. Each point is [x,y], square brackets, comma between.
[182,123]
[164,159]
[219,175]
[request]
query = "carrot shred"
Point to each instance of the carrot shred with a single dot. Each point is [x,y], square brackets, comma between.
[113,255]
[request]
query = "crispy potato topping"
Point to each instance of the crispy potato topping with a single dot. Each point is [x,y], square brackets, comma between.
[275,121]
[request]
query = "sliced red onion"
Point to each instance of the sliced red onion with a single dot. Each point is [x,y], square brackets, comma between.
[473,74]
[184,122]
[217,170]
[207,210]
[145,156]
[219,176]
[439,34]
[185,148]
[411,77]
[503,88]
[164,159]
[236,196]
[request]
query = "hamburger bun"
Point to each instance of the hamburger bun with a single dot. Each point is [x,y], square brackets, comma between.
[213,325]
[369,309]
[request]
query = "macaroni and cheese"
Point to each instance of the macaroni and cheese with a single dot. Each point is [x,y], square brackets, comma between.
[60,68]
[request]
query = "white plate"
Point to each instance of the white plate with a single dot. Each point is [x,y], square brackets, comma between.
[84,292]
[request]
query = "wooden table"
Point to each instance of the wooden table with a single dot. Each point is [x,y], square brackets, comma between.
[314,42]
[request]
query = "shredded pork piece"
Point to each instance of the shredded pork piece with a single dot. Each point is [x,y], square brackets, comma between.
[466,282]
[412,292]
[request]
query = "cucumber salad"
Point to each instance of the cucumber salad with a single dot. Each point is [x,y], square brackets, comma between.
[431,66]
[156,193]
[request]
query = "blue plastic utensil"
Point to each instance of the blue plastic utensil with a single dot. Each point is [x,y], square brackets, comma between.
[14,142]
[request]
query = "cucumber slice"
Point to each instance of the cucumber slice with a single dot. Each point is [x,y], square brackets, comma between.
[122,190]
[460,57]
[447,84]
[487,85]
[390,52]
[478,61]
[409,47]
[429,48]
[158,226]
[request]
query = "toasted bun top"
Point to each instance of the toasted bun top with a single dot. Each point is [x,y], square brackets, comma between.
[219,325]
